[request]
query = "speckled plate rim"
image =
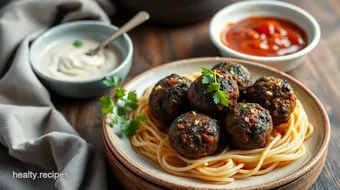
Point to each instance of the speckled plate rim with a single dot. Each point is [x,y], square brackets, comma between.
[274,184]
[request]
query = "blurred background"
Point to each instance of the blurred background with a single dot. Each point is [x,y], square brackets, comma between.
[172,11]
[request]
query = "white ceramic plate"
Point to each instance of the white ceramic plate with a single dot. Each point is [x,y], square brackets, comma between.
[316,146]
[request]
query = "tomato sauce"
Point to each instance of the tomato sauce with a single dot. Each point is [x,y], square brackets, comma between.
[264,36]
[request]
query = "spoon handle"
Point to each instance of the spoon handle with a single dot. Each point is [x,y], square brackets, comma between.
[135,21]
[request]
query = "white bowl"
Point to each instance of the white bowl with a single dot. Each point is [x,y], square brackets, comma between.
[245,9]
[95,30]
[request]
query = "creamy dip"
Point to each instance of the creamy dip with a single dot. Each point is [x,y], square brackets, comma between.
[67,60]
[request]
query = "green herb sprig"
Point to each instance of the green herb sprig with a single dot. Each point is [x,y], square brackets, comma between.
[210,77]
[124,101]
[242,107]
[77,43]
[231,72]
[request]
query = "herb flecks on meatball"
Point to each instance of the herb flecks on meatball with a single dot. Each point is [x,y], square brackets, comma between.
[243,76]
[194,135]
[249,126]
[274,94]
[202,100]
[168,98]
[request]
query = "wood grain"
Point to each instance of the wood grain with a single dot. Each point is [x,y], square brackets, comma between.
[156,44]
[126,179]
[307,180]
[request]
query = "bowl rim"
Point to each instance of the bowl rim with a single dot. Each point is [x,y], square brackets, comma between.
[75,24]
[314,39]
[277,183]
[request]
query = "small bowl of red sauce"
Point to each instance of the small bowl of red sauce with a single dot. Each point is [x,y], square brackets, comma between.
[274,33]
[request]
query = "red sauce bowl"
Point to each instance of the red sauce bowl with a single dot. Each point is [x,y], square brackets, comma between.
[275,33]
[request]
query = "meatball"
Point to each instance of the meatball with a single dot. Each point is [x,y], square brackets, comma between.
[249,126]
[243,76]
[194,135]
[203,101]
[274,94]
[168,99]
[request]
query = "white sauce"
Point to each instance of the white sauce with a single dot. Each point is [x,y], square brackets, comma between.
[65,61]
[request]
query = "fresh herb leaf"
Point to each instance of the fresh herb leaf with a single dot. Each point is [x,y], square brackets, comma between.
[141,117]
[206,71]
[207,76]
[132,96]
[214,86]
[107,104]
[216,99]
[59,70]
[114,121]
[127,101]
[242,107]
[129,127]
[132,101]
[120,92]
[77,43]
[231,72]
[221,97]
[210,77]
[121,111]
[206,79]
[112,81]
[132,105]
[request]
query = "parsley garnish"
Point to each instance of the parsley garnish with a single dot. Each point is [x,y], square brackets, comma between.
[231,72]
[242,107]
[112,81]
[124,102]
[210,77]
[107,104]
[77,43]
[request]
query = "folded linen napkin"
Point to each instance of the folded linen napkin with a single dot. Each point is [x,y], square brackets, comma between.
[34,137]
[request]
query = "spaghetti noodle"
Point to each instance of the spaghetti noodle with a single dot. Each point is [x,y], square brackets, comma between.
[285,145]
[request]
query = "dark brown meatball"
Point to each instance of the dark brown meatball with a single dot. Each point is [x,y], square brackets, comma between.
[168,98]
[203,101]
[274,94]
[243,76]
[249,125]
[194,135]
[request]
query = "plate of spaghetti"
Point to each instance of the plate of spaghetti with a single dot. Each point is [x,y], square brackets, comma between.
[215,123]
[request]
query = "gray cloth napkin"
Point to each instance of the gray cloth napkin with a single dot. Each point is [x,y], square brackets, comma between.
[34,137]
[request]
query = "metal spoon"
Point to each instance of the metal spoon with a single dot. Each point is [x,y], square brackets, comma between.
[138,19]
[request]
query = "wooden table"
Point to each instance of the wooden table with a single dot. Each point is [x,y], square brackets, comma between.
[155,45]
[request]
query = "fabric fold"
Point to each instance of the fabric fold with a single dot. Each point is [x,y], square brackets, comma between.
[34,136]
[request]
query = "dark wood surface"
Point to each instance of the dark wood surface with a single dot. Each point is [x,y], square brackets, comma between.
[155,45]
